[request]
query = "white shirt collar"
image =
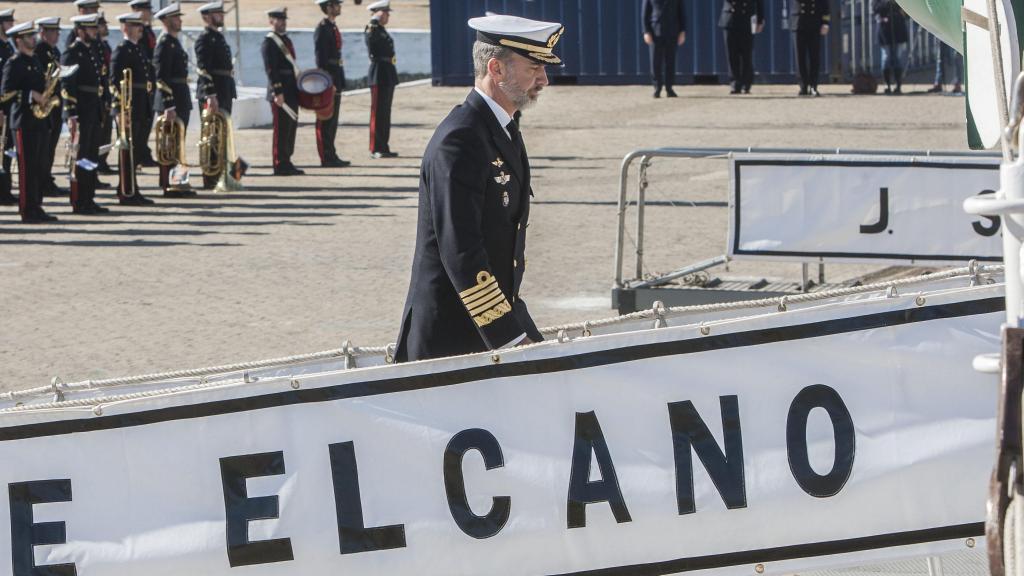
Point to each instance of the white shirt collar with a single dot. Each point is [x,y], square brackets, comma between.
[499,112]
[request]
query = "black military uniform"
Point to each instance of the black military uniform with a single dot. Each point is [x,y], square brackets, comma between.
[382,78]
[107,100]
[129,56]
[474,209]
[6,53]
[171,63]
[664,20]
[807,18]
[735,22]
[327,46]
[148,45]
[22,75]
[47,55]
[278,57]
[216,76]
[81,93]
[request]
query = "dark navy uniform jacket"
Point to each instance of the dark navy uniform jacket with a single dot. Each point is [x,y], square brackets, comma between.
[381,49]
[6,53]
[216,72]
[280,72]
[664,18]
[171,63]
[327,47]
[127,56]
[474,207]
[809,14]
[23,74]
[737,13]
[81,90]
[47,55]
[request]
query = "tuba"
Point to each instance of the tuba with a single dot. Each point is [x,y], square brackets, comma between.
[216,151]
[50,97]
[170,149]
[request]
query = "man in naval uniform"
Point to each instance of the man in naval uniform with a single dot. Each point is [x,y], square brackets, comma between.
[107,126]
[129,56]
[23,85]
[664,24]
[84,8]
[810,20]
[739,21]
[215,87]
[81,93]
[327,48]
[173,97]
[7,142]
[148,45]
[48,54]
[282,91]
[382,78]
[474,203]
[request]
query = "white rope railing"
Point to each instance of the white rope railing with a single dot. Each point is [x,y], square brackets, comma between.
[350,353]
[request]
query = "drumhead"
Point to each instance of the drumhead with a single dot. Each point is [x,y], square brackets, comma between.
[314,82]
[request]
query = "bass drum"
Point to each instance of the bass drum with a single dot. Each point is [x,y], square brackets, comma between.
[316,92]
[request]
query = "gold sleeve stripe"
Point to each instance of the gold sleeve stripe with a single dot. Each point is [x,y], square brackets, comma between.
[9,96]
[68,97]
[488,316]
[481,296]
[204,74]
[488,304]
[483,280]
[164,87]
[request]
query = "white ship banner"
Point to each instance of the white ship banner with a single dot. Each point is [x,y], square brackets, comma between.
[896,210]
[838,434]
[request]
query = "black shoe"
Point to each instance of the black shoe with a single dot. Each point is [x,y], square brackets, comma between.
[39,217]
[8,200]
[378,155]
[101,185]
[898,90]
[746,89]
[335,163]
[814,91]
[99,209]
[734,91]
[148,163]
[105,168]
[936,89]
[136,200]
[84,210]
[179,193]
[888,90]
[287,170]
[671,93]
[803,91]
[657,92]
[56,192]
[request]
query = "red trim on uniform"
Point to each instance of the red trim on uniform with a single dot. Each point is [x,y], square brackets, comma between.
[22,175]
[123,160]
[165,177]
[274,109]
[373,117]
[320,138]
[74,192]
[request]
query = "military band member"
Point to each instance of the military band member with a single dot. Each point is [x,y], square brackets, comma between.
[7,142]
[215,87]
[84,8]
[48,54]
[282,90]
[129,56]
[173,97]
[810,21]
[148,45]
[327,45]
[474,203]
[664,24]
[23,85]
[81,93]
[107,125]
[382,78]
[739,21]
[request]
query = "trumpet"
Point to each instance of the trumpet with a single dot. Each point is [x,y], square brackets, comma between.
[124,129]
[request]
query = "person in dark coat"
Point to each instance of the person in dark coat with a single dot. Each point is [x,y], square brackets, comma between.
[6,53]
[81,94]
[215,86]
[22,85]
[106,54]
[282,90]
[382,78]
[148,45]
[664,31]
[810,21]
[129,56]
[327,47]
[893,36]
[740,20]
[173,98]
[84,8]
[48,54]
[474,203]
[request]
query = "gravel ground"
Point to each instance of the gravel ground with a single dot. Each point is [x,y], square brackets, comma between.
[298,264]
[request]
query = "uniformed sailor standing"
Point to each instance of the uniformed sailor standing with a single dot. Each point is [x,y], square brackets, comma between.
[7,142]
[215,87]
[107,125]
[129,56]
[739,21]
[664,24]
[474,203]
[810,21]
[173,98]
[81,93]
[327,45]
[84,8]
[48,54]
[382,78]
[282,90]
[148,45]
[23,85]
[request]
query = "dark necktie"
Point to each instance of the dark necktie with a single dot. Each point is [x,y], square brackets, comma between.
[513,134]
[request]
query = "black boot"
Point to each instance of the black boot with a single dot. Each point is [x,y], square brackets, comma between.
[887,74]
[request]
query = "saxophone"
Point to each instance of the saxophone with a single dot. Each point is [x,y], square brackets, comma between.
[50,98]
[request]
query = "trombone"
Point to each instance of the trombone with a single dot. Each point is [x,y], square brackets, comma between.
[124,130]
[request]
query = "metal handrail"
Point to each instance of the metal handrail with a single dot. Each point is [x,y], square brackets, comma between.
[697,153]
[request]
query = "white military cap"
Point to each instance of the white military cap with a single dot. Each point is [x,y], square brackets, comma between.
[86,20]
[53,23]
[384,5]
[530,38]
[130,18]
[325,2]
[172,10]
[23,29]
[212,7]
[140,4]
[7,15]
[87,3]
[279,12]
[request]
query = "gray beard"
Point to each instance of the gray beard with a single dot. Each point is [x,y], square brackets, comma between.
[519,97]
